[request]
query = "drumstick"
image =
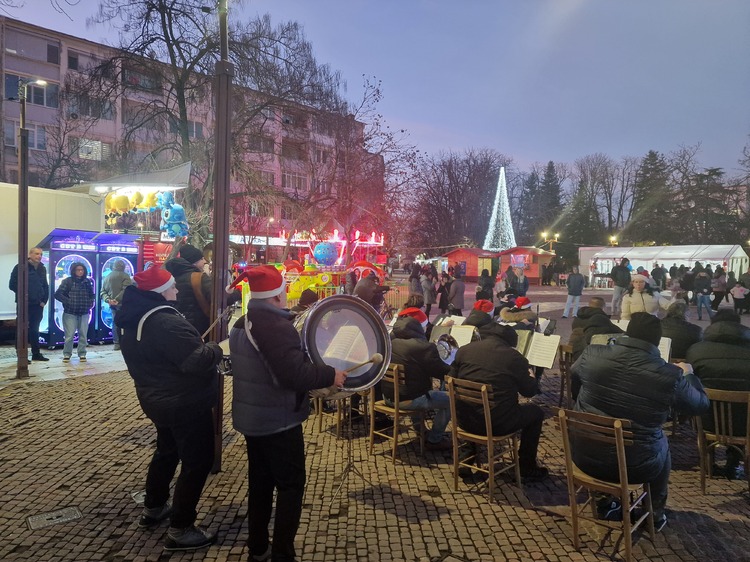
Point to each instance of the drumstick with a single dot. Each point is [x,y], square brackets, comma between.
[376,359]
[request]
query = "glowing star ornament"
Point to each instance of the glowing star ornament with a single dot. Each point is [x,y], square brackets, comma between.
[500,234]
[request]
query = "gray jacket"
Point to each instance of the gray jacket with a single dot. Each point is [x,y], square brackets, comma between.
[456,294]
[114,284]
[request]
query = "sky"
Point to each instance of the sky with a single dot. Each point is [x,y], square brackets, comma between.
[536,80]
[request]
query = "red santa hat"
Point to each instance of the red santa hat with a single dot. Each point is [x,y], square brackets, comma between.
[265,282]
[154,279]
[417,314]
[523,303]
[484,305]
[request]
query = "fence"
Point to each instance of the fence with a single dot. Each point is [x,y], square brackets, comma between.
[395,298]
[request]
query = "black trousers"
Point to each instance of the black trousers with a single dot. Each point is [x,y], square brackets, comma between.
[277,462]
[192,443]
[35,317]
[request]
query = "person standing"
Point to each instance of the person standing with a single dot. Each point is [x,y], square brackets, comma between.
[36,298]
[520,282]
[174,373]
[620,274]
[702,292]
[194,286]
[113,288]
[415,283]
[576,283]
[428,290]
[272,378]
[443,291]
[456,295]
[76,293]
[718,287]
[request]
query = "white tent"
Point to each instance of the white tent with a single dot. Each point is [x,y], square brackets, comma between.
[730,257]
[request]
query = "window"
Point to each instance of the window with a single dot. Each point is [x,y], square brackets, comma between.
[73,61]
[293,181]
[269,178]
[195,129]
[258,143]
[292,150]
[91,107]
[140,80]
[257,209]
[287,212]
[89,149]
[47,96]
[321,156]
[37,134]
[322,186]
[53,53]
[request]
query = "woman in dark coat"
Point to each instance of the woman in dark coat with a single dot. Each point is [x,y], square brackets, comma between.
[682,333]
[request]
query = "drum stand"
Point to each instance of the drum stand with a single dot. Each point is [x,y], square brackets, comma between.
[350,467]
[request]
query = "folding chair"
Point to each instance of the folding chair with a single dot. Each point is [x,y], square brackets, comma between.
[502,450]
[397,377]
[607,431]
[727,411]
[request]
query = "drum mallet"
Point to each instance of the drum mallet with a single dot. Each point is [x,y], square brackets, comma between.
[376,359]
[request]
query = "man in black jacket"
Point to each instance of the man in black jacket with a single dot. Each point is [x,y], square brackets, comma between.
[591,320]
[421,362]
[630,380]
[620,274]
[175,380]
[37,298]
[193,285]
[493,360]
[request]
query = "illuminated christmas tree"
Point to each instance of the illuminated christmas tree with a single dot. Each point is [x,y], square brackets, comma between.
[500,234]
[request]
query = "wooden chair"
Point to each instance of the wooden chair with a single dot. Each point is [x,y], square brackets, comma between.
[565,360]
[724,406]
[608,431]
[502,450]
[343,407]
[674,414]
[397,377]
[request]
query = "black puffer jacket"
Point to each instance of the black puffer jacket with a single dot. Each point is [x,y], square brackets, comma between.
[590,322]
[419,357]
[722,361]
[682,333]
[630,380]
[174,371]
[182,271]
[38,285]
[493,361]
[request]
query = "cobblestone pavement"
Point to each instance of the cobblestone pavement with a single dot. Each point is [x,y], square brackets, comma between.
[82,442]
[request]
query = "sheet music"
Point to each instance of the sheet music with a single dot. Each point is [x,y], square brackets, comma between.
[347,348]
[665,348]
[438,331]
[462,334]
[603,339]
[543,323]
[524,337]
[457,320]
[543,350]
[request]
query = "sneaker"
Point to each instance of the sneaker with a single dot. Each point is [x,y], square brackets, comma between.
[152,516]
[564,317]
[609,510]
[443,445]
[39,357]
[192,538]
[464,472]
[66,359]
[660,522]
[116,347]
[262,557]
[534,473]
[82,359]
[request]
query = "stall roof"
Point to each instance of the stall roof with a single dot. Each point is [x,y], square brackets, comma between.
[672,253]
[527,250]
[177,177]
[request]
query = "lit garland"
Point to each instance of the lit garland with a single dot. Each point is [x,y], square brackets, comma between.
[500,234]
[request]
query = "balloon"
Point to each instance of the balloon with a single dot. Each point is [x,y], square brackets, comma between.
[325,253]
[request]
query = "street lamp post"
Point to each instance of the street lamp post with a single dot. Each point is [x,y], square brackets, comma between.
[22,289]
[551,240]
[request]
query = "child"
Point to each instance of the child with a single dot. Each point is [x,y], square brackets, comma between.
[739,296]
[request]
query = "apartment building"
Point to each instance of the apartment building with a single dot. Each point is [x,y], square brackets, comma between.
[76,136]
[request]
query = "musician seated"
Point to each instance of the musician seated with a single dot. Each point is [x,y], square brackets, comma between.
[306,300]
[519,316]
[421,362]
[481,313]
[369,291]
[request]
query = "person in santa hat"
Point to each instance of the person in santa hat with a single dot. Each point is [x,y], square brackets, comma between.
[175,379]
[272,378]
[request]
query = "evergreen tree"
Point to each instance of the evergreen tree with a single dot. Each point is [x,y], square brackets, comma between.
[550,197]
[651,218]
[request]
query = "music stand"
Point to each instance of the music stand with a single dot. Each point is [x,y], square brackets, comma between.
[350,467]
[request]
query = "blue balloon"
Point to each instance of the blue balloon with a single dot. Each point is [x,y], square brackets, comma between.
[325,253]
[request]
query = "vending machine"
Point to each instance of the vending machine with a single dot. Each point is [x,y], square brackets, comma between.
[62,248]
[112,247]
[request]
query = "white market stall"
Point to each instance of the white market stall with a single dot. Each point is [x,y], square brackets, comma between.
[730,256]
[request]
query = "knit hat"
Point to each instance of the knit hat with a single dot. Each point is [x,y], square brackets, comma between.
[154,279]
[640,277]
[308,297]
[417,314]
[523,303]
[191,253]
[644,326]
[265,282]
[484,306]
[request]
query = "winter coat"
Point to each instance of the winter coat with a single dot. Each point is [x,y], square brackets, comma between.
[173,370]
[486,283]
[419,357]
[38,284]
[456,294]
[270,385]
[443,291]
[630,380]
[642,302]
[520,319]
[415,286]
[187,303]
[367,289]
[114,284]
[428,290]
[719,284]
[591,321]
[76,293]
[722,361]
[702,284]
[493,361]
[682,333]
[576,283]
[520,285]
[621,276]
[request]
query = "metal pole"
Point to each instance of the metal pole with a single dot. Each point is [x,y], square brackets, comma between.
[22,290]
[224,74]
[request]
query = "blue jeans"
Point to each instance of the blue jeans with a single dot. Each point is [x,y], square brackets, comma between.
[575,300]
[434,400]
[704,300]
[73,323]
[617,295]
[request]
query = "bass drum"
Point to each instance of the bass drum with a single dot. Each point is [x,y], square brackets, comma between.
[343,331]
